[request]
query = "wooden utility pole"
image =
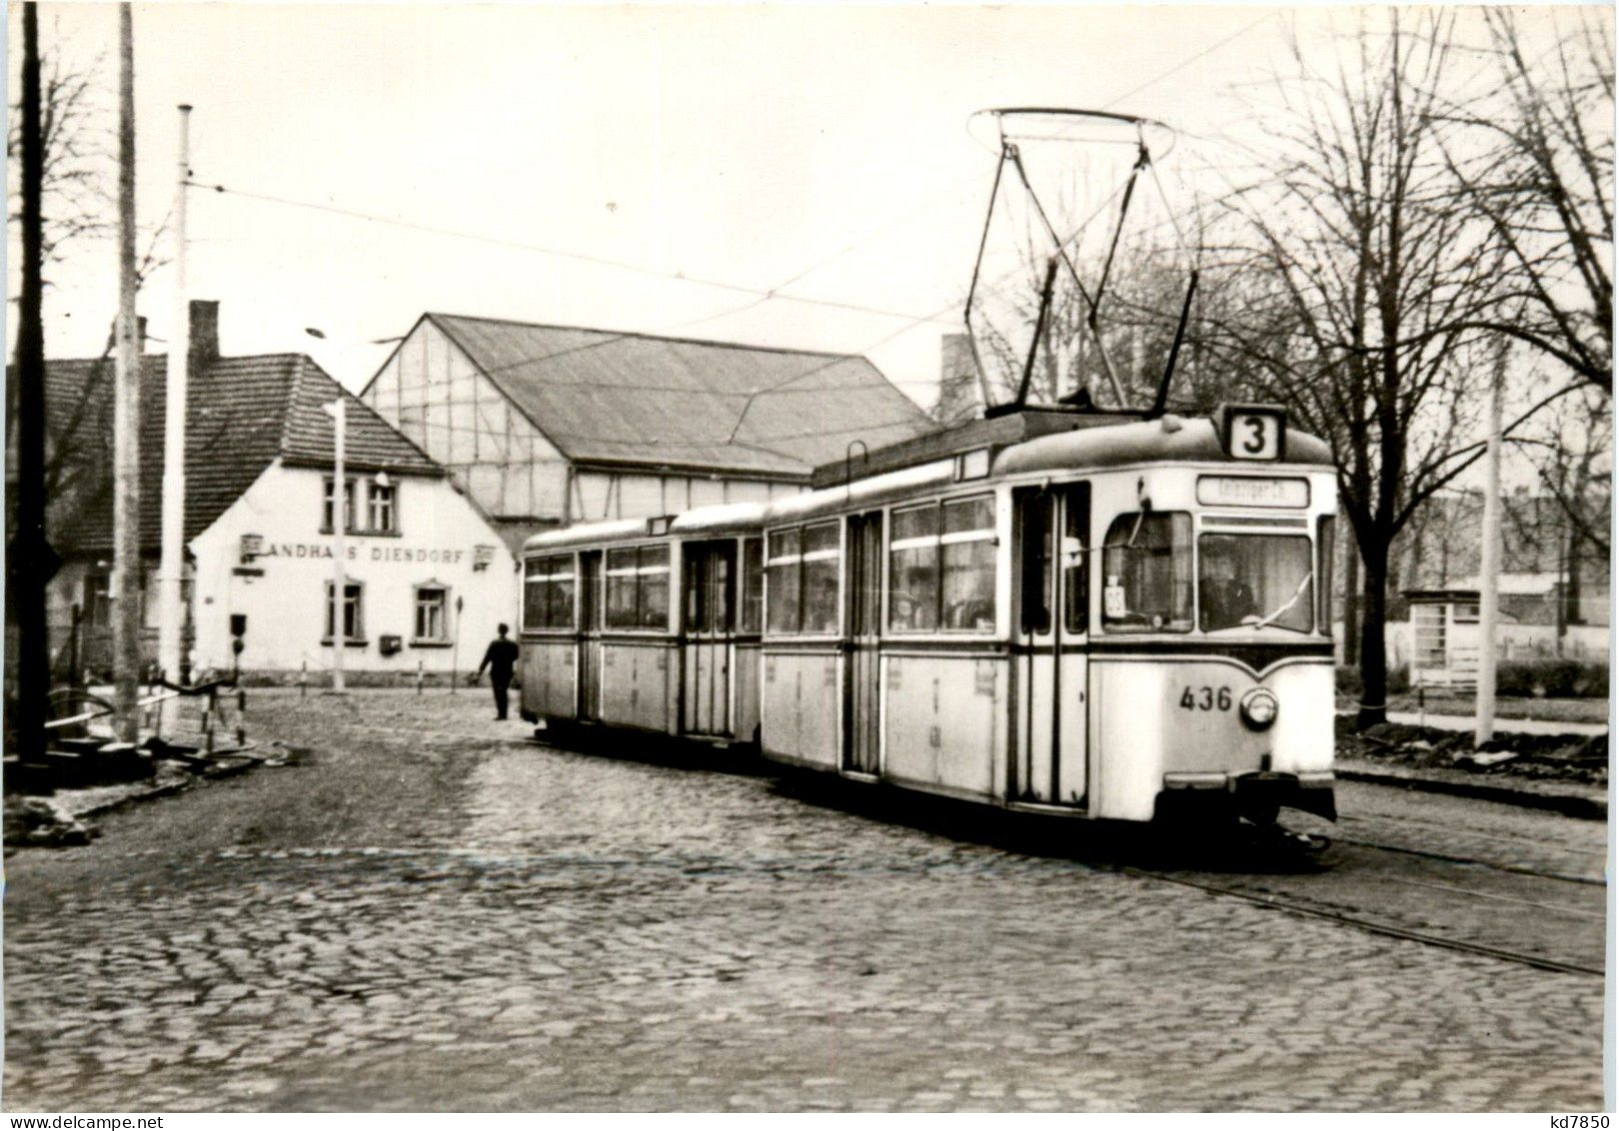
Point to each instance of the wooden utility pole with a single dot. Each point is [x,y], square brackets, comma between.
[171,568]
[29,570]
[1489,573]
[126,513]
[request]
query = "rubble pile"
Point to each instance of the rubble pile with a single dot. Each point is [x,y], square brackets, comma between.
[39,822]
[1549,757]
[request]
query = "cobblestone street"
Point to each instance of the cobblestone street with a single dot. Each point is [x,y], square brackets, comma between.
[432,912]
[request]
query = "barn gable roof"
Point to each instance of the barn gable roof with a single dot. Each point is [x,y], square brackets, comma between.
[635,399]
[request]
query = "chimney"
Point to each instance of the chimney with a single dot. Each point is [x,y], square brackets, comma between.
[204,334]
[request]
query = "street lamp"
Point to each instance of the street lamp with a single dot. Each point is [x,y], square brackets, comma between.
[337,410]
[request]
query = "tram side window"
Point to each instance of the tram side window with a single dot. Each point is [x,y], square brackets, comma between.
[638,587]
[968,558]
[548,592]
[821,577]
[1076,586]
[941,566]
[913,569]
[802,569]
[753,584]
[652,581]
[786,559]
[1147,565]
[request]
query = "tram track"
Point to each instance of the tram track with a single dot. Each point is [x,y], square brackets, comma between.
[1472,861]
[1372,926]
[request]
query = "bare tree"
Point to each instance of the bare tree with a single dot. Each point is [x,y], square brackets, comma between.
[76,206]
[75,165]
[1535,160]
[1567,519]
[1360,277]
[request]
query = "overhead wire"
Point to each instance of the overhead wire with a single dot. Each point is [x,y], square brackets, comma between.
[1187,62]
[759,297]
[561,253]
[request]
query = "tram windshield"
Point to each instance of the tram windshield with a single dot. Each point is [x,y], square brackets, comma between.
[1255,581]
[1147,566]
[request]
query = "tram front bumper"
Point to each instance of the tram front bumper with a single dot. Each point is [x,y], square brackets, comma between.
[1259,791]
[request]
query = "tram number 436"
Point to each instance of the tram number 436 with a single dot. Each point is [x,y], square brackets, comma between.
[1206,699]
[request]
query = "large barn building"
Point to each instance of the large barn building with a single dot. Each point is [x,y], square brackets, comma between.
[546,425]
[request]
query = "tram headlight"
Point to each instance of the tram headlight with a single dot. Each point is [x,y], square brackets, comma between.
[1258,708]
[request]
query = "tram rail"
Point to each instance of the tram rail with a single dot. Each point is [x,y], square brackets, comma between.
[1372,926]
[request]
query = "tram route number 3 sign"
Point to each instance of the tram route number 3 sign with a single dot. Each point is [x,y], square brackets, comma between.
[1254,433]
[1206,699]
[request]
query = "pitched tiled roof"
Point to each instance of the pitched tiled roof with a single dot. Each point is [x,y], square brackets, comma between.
[608,397]
[243,413]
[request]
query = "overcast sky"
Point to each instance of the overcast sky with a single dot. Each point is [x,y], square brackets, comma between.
[753,146]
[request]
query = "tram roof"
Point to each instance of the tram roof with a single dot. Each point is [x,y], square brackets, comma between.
[718,519]
[1171,439]
[1087,446]
[586,533]
[721,518]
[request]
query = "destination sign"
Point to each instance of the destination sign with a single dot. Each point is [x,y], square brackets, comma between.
[1252,491]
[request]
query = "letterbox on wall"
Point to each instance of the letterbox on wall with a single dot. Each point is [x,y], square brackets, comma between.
[391,645]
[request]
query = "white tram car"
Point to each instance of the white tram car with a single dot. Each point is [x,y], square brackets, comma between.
[603,644]
[1082,614]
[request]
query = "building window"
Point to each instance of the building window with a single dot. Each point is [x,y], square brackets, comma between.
[638,587]
[381,512]
[432,613]
[1428,632]
[548,592]
[380,508]
[802,579]
[353,612]
[941,570]
[348,506]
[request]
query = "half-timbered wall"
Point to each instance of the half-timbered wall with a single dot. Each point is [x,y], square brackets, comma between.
[433,393]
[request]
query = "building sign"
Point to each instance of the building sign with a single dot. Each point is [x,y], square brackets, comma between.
[1251,491]
[414,555]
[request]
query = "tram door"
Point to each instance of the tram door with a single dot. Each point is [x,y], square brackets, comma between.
[590,635]
[710,571]
[862,725]
[1050,628]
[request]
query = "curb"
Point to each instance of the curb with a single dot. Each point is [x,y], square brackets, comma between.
[1568,804]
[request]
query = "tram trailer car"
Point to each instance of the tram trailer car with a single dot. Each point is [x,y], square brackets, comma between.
[646,624]
[1115,620]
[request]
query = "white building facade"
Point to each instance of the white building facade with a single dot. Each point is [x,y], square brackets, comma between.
[426,581]
[427,576]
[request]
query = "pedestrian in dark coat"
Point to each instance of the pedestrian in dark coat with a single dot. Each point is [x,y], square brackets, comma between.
[500,657]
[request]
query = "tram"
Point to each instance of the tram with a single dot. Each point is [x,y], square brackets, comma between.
[646,624]
[1114,615]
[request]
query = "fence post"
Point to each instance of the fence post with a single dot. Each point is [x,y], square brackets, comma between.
[73,645]
[418,676]
[208,708]
[303,680]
